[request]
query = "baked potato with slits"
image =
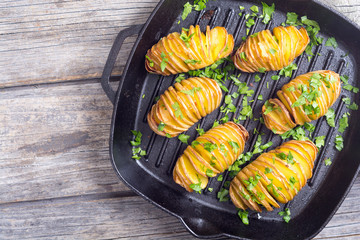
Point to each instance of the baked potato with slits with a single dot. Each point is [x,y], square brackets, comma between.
[189,50]
[183,105]
[264,51]
[274,176]
[210,154]
[305,98]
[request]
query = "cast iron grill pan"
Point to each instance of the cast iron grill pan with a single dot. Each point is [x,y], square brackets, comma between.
[202,214]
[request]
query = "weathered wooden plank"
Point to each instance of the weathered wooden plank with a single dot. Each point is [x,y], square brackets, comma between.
[52,40]
[54,142]
[349,8]
[110,218]
[119,217]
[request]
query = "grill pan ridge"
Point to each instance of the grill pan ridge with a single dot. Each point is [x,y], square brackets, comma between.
[203,215]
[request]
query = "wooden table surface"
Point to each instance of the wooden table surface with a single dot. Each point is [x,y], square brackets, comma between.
[56,180]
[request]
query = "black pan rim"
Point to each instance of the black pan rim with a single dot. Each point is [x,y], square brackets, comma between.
[112,130]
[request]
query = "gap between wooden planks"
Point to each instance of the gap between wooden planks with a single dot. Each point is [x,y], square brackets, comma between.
[56,40]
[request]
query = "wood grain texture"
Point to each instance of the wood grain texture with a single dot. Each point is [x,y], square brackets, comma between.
[54,142]
[57,40]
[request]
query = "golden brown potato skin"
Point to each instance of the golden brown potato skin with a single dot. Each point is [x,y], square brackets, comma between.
[183,105]
[199,161]
[269,52]
[284,116]
[197,52]
[273,177]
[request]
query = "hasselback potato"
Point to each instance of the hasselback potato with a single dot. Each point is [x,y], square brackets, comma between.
[183,105]
[210,154]
[274,176]
[263,51]
[305,98]
[190,50]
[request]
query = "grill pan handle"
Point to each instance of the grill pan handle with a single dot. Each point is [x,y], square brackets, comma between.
[110,62]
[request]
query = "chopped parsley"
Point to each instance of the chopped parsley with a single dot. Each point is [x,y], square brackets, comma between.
[194,143]
[328,162]
[200,130]
[262,70]
[184,138]
[292,182]
[272,51]
[297,133]
[319,141]
[286,215]
[136,152]
[151,63]
[268,12]
[215,124]
[339,142]
[223,194]
[192,91]
[209,173]
[330,117]
[208,146]
[275,77]
[137,140]
[161,126]
[198,6]
[292,19]
[243,55]
[331,42]
[187,10]
[255,9]
[192,61]
[343,123]
[164,61]
[269,107]
[180,77]
[177,109]
[234,145]
[268,170]
[186,38]
[243,215]
[220,178]
[252,182]
[287,71]
[257,78]
[353,106]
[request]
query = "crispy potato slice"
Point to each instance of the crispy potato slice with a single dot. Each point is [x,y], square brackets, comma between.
[206,156]
[183,105]
[189,50]
[295,107]
[271,52]
[272,176]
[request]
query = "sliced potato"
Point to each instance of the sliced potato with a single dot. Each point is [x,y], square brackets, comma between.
[273,175]
[180,107]
[209,155]
[261,51]
[190,50]
[294,108]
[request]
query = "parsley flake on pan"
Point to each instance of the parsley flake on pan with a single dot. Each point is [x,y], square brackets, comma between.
[184,138]
[198,6]
[243,215]
[286,215]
